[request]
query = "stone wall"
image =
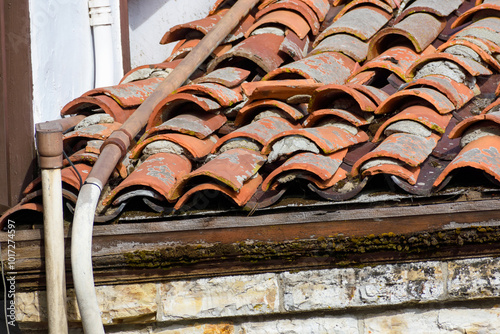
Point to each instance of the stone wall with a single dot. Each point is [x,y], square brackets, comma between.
[456,296]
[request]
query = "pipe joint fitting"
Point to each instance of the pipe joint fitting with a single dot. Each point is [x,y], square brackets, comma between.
[120,138]
[100,13]
[49,140]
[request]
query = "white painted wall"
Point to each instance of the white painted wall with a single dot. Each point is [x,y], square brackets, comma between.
[62,53]
[62,48]
[150,19]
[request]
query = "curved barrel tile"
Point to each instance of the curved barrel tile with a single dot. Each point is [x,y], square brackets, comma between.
[250,110]
[456,92]
[260,131]
[358,3]
[490,7]
[437,8]
[355,119]
[408,148]
[321,166]
[362,22]
[397,59]
[197,148]
[229,77]
[224,96]
[87,104]
[130,94]
[347,44]
[326,68]
[466,123]
[325,96]
[422,114]
[482,154]
[260,49]
[439,101]
[177,104]
[329,138]
[161,172]
[232,168]
[293,21]
[411,29]
[297,6]
[240,197]
[198,124]
[472,67]
[280,89]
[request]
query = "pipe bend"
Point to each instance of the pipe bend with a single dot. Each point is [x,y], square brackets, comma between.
[81,257]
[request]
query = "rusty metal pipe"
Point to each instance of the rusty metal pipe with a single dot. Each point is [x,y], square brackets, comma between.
[175,79]
[115,147]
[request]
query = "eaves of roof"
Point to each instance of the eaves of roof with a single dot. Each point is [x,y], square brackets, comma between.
[306,101]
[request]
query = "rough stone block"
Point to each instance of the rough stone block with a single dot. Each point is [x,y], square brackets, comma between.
[380,285]
[118,303]
[410,321]
[474,278]
[201,329]
[323,325]
[219,297]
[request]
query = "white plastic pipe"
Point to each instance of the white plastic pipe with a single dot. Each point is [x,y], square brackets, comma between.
[54,250]
[100,20]
[81,257]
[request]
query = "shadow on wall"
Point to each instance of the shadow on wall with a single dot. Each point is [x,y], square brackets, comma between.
[140,11]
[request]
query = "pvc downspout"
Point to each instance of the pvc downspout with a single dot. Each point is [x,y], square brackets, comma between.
[50,150]
[100,21]
[114,148]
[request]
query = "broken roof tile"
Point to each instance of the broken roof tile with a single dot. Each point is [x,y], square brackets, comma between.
[293,46]
[93,104]
[326,68]
[397,59]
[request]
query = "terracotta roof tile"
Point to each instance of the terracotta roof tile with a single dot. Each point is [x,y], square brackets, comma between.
[316,94]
